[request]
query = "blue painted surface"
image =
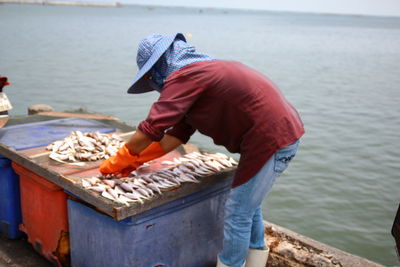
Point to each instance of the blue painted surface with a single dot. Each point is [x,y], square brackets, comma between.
[10,206]
[29,135]
[185,232]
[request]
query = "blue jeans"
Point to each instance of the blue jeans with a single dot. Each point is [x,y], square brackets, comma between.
[244,227]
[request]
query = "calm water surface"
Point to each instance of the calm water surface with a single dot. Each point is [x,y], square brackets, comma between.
[341,72]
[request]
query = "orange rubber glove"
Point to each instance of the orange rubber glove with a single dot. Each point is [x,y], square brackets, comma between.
[124,162]
[121,163]
[153,151]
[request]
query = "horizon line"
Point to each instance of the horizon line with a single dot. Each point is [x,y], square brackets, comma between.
[122,4]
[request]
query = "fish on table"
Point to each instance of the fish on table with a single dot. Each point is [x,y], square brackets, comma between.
[139,188]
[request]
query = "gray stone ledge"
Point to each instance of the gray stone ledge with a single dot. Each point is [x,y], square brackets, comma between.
[290,249]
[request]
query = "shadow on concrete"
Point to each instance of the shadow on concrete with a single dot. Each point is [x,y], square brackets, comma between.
[19,253]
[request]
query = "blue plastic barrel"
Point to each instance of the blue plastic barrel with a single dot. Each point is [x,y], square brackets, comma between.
[10,205]
[186,232]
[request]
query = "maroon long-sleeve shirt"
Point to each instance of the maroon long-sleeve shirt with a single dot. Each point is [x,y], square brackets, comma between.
[235,105]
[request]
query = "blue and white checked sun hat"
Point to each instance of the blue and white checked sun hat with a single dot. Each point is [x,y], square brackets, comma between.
[150,50]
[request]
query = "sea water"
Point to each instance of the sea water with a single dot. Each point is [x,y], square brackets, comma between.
[342,73]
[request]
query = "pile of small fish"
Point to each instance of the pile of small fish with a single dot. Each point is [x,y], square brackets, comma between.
[80,146]
[143,187]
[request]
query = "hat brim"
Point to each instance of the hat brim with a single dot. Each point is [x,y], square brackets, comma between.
[139,84]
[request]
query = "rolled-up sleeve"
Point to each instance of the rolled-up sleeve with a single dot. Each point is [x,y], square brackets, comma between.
[178,95]
[182,131]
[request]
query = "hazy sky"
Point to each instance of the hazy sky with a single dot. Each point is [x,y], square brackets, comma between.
[361,7]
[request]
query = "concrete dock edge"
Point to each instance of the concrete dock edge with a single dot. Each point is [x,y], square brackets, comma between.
[291,249]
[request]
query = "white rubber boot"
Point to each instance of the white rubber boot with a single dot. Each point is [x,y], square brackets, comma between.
[257,257]
[220,264]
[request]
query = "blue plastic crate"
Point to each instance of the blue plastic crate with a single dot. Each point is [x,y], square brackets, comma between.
[186,232]
[10,206]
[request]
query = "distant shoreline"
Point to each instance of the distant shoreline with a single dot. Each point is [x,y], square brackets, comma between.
[62,3]
[200,9]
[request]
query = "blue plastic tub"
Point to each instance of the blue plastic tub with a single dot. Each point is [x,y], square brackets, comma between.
[25,136]
[10,206]
[186,232]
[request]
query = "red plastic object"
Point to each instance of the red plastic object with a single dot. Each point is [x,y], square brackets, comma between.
[44,216]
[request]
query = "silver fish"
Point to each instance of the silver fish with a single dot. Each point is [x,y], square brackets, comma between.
[94,180]
[187,178]
[112,192]
[100,188]
[119,190]
[143,192]
[111,183]
[168,162]
[142,187]
[135,196]
[107,195]
[154,187]
[86,183]
[90,146]
[127,187]
[124,200]
[147,178]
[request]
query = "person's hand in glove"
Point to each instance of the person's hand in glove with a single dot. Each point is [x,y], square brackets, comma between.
[153,151]
[138,150]
[122,163]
